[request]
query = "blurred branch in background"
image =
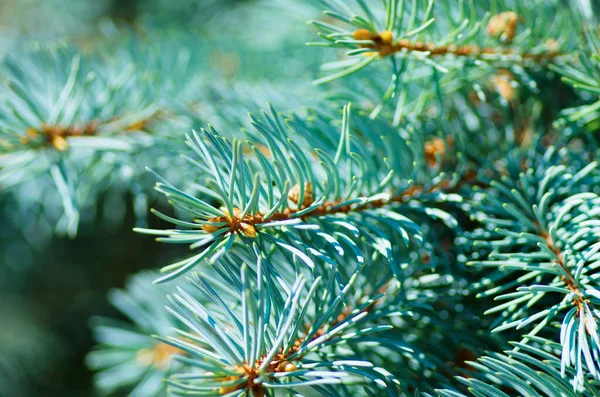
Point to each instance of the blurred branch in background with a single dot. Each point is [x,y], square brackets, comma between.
[49,285]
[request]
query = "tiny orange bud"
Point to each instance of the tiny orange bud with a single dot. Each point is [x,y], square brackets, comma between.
[433,149]
[504,87]
[294,194]
[503,25]
[504,84]
[362,34]
[386,36]
[237,212]
[248,230]
[210,228]
[290,367]
[137,126]
[59,143]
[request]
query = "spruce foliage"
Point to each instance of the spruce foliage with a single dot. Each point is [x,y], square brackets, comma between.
[422,219]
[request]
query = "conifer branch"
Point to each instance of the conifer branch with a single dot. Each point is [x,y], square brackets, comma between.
[125,348]
[326,256]
[383,44]
[583,74]
[250,223]
[442,53]
[568,278]
[555,211]
[274,353]
[257,204]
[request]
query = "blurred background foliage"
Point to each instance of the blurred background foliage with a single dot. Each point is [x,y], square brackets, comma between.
[51,285]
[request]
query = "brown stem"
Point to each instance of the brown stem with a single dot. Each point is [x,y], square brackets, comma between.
[569,280]
[384,45]
[56,135]
[248,224]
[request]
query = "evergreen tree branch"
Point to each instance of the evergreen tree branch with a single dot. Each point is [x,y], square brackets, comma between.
[530,369]
[127,356]
[440,45]
[552,245]
[257,204]
[282,348]
[383,44]
[583,74]
[250,223]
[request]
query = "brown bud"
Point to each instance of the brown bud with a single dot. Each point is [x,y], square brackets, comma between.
[433,149]
[503,82]
[503,26]
[404,43]
[248,230]
[294,195]
[426,258]
[211,228]
[289,367]
[286,366]
[236,213]
[217,219]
